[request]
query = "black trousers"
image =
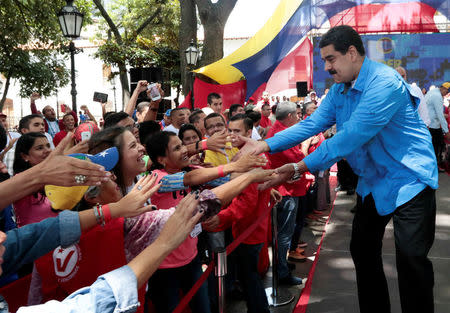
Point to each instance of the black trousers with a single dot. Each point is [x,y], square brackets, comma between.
[437,138]
[414,225]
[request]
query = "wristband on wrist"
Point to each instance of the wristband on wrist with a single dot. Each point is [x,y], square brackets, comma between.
[99,217]
[220,171]
[204,145]
[107,213]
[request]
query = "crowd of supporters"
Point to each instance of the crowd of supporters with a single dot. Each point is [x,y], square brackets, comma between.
[82,200]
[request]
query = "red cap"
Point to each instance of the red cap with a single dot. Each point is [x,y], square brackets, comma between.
[85,127]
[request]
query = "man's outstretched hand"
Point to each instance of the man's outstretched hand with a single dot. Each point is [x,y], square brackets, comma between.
[251,146]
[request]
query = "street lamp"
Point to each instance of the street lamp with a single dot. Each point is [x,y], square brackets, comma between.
[71,20]
[191,59]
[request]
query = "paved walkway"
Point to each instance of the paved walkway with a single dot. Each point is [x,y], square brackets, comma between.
[333,286]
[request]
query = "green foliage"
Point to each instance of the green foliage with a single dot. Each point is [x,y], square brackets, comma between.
[149,35]
[29,38]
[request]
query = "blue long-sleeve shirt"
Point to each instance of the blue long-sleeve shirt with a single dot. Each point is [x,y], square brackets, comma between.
[115,291]
[379,132]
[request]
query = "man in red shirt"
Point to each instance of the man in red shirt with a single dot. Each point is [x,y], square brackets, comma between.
[69,125]
[286,115]
[265,113]
[240,214]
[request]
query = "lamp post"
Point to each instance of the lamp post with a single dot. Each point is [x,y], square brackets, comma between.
[191,59]
[71,20]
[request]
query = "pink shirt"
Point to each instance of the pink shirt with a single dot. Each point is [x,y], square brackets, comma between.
[187,251]
[32,209]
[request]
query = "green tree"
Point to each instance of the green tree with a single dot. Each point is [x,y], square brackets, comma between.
[213,17]
[139,33]
[30,45]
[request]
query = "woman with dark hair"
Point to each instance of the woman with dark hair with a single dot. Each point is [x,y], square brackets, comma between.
[31,149]
[189,134]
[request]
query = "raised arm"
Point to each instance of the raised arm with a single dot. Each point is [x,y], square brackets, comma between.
[141,86]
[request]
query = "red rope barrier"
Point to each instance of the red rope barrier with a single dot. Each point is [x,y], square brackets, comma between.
[187,298]
[306,292]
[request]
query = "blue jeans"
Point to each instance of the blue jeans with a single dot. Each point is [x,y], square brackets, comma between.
[287,212]
[165,284]
[255,294]
[302,211]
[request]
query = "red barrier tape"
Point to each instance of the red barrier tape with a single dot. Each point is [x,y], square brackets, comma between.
[187,298]
[306,292]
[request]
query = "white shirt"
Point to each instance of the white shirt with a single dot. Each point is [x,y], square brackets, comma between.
[255,134]
[422,108]
[171,128]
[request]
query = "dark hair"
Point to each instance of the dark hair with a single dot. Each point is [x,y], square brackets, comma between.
[254,116]
[175,110]
[25,121]
[274,109]
[212,115]
[112,119]
[265,104]
[195,116]
[156,146]
[3,138]
[234,107]
[212,96]
[342,37]
[23,145]
[67,114]
[187,127]
[148,128]
[108,114]
[108,138]
[248,123]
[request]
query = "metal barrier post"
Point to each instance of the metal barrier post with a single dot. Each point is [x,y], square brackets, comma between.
[275,295]
[220,257]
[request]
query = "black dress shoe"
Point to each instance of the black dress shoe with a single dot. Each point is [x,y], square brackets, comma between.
[290,280]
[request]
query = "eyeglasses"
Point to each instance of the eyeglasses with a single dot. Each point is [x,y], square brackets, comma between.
[219,125]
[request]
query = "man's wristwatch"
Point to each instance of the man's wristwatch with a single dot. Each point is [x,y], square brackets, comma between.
[297,173]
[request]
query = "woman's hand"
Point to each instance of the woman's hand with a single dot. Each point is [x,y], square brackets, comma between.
[247,162]
[258,175]
[61,170]
[181,223]
[133,203]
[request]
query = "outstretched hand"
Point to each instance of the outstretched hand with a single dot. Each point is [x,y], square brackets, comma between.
[181,223]
[249,161]
[133,203]
[282,175]
[217,142]
[251,146]
[61,170]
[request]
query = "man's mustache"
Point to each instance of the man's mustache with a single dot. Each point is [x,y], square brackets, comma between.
[332,72]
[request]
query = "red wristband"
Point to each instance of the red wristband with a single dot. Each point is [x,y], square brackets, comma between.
[220,171]
[106,213]
[204,145]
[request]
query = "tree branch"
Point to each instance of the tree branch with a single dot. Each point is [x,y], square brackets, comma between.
[108,20]
[148,21]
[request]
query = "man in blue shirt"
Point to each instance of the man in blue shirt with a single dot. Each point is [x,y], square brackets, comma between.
[381,135]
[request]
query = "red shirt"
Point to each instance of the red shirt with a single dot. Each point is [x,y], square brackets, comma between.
[265,122]
[58,137]
[292,155]
[243,211]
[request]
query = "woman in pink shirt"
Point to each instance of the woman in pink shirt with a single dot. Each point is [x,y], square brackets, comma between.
[31,149]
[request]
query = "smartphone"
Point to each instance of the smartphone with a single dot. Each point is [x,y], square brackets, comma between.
[154,92]
[85,135]
[100,97]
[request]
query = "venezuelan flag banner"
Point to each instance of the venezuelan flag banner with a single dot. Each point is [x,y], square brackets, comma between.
[259,58]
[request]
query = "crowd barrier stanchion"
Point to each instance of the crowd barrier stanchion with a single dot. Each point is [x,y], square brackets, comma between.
[211,266]
[220,258]
[275,295]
